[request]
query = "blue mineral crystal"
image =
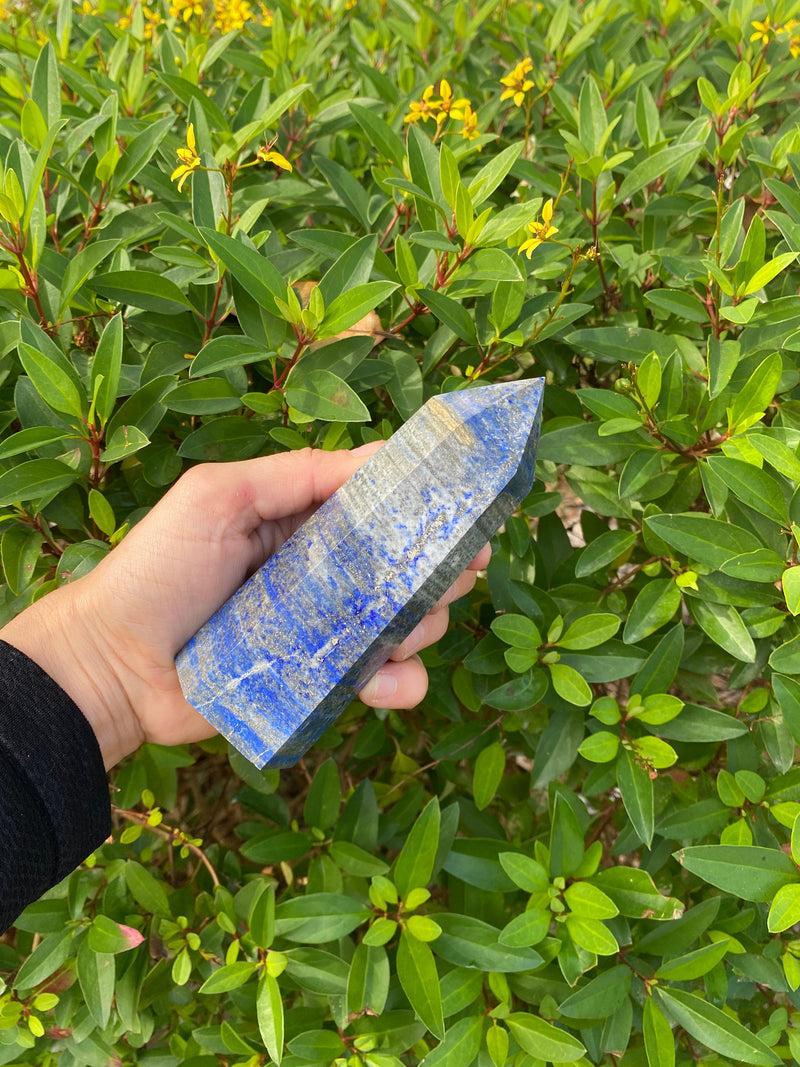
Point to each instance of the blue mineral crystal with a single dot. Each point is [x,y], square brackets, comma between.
[279,661]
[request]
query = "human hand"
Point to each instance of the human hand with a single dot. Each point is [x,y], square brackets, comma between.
[110,638]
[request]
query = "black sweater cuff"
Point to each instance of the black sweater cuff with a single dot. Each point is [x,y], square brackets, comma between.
[54,804]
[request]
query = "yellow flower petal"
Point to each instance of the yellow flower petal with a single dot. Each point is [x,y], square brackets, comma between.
[277,159]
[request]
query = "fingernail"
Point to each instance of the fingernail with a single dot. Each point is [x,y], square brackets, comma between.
[380,686]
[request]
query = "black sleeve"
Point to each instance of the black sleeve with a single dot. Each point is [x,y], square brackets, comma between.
[54,805]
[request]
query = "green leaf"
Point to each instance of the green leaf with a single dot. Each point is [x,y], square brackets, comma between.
[379,133]
[106,367]
[693,964]
[698,724]
[140,289]
[34,480]
[569,685]
[356,860]
[656,166]
[351,269]
[45,959]
[659,1041]
[520,693]
[468,942]
[756,395]
[777,454]
[589,902]
[677,302]
[592,119]
[46,84]
[414,866]
[529,928]
[319,917]
[368,979]
[56,383]
[346,188]
[636,789]
[229,977]
[566,839]
[753,486]
[767,272]
[416,971]
[542,1040]
[600,747]
[488,774]
[749,872]
[269,1012]
[701,538]
[785,909]
[80,267]
[714,1028]
[589,631]
[525,872]
[228,437]
[492,173]
[125,440]
[254,272]
[108,937]
[724,626]
[461,1045]
[603,551]
[591,935]
[450,312]
[635,894]
[655,604]
[349,307]
[31,439]
[140,151]
[96,976]
[220,353]
[207,396]
[146,890]
[517,631]
[785,659]
[787,694]
[324,797]
[600,997]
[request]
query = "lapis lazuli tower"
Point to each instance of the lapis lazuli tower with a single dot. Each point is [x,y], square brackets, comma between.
[279,661]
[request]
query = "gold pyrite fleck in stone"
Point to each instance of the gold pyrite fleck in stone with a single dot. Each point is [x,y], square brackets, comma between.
[275,666]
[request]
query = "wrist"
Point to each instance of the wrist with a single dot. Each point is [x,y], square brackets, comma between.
[57,633]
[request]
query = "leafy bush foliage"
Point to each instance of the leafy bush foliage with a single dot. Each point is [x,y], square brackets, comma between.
[584,845]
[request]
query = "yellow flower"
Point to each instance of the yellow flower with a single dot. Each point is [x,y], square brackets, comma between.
[232,15]
[517,83]
[350,4]
[789,27]
[266,17]
[423,109]
[448,105]
[763,31]
[540,231]
[469,130]
[266,155]
[185,9]
[189,159]
[794,46]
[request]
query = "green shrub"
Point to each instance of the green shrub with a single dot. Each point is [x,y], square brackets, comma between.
[582,846]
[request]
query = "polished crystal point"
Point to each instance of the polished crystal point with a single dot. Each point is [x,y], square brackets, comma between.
[279,661]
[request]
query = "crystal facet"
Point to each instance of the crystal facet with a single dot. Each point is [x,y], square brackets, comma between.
[279,661]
